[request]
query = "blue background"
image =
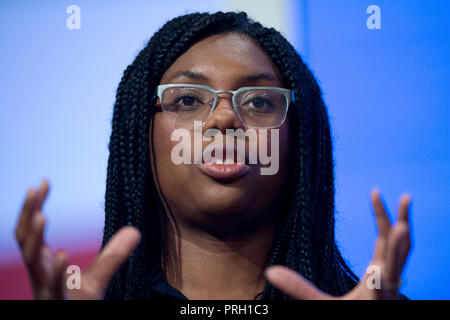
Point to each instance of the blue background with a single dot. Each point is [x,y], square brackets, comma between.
[387,92]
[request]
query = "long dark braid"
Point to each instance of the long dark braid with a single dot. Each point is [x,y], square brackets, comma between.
[305,241]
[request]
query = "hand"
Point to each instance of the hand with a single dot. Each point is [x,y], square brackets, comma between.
[391,250]
[47,269]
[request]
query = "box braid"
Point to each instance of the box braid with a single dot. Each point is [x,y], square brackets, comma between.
[305,242]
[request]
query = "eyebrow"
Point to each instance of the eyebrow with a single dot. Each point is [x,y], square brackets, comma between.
[258,76]
[188,74]
[243,79]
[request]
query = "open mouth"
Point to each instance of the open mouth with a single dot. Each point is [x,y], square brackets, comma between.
[229,166]
[230,156]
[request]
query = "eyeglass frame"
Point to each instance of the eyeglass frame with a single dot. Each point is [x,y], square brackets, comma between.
[288,94]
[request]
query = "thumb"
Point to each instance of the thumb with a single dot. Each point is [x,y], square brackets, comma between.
[293,284]
[114,254]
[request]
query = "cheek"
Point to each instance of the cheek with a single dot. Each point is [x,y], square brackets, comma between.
[277,143]
[279,146]
[161,139]
[174,180]
[166,169]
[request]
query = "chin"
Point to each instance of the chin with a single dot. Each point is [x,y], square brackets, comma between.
[224,200]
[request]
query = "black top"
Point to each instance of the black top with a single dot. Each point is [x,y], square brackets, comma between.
[160,289]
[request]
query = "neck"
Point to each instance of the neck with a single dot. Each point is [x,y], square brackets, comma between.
[218,268]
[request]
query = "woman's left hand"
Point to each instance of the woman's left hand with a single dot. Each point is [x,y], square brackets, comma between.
[391,250]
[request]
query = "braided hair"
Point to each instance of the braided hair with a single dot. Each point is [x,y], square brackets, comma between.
[305,242]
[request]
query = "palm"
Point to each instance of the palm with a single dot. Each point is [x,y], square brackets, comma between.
[391,250]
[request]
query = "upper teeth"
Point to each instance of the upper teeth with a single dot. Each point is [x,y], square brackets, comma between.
[227,161]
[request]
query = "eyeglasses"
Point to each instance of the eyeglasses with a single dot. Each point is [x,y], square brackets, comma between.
[256,107]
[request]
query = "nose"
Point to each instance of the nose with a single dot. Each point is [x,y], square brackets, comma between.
[224,117]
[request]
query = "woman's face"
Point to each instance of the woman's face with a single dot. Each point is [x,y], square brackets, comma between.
[201,199]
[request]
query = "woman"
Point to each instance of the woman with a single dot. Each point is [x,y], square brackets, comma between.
[214,230]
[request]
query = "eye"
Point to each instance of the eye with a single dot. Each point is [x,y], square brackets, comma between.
[188,101]
[258,102]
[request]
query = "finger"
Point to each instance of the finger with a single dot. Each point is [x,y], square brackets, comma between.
[57,278]
[397,251]
[293,284]
[403,209]
[32,247]
[113,255]
[403,219]
[33,203]
[380,250]
[399,242]
[25,216]
[46,259]
[42,194]
[382,219]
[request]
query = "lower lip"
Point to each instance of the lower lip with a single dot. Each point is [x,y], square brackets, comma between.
[224,171]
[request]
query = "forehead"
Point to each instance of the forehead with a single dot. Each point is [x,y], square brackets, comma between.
[224,57]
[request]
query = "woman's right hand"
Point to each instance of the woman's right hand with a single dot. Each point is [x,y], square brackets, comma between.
[47,269]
